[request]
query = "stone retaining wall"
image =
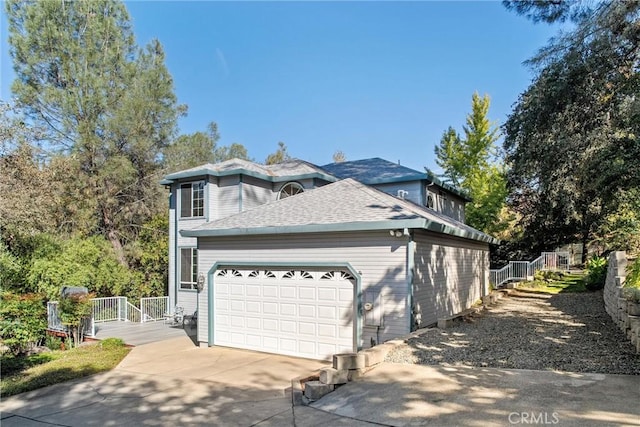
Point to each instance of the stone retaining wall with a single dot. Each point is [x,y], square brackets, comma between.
[614,302]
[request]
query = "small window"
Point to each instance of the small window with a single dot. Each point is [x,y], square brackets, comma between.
[188,268]
[430,202]
[290,189]
[192,200]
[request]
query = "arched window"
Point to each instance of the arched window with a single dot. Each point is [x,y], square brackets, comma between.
[290,189]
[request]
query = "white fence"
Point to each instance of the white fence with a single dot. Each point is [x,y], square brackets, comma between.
[524,270]
[113,309]
[154,308]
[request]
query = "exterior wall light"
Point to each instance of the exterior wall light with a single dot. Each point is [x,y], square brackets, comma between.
[200,282]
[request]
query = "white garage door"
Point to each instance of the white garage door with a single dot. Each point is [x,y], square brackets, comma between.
[294,312]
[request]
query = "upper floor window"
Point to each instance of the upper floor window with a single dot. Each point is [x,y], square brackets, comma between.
[430,203]
[192,199]
[290,189]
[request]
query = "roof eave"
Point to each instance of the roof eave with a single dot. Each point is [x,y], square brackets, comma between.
[174,177]
[417,223]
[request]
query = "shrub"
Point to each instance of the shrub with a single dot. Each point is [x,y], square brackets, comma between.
[53,342]
[23,320]
[596,268]
[633,275]
[73,309]
[110,343]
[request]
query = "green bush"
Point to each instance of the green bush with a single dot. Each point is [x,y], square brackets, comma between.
[72,310]
[53,342]
[548,275]
[23,320]
[633,275]
[110,343]
[596,268]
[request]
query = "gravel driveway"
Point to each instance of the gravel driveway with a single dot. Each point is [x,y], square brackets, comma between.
[564,332]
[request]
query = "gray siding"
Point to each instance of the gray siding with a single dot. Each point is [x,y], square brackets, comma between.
[450,275]
[228,201]
[414,190]
[449,205]
[379,259]
[256,192]
[211,191]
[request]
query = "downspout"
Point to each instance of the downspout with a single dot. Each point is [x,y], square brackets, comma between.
[411,264]
[240,194]
[176,255]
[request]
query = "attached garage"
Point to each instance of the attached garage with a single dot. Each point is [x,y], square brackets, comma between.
[336,269]
[293,311]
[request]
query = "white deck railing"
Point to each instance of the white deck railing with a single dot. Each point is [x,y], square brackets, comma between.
[113,309]
[154,308]
[524,270]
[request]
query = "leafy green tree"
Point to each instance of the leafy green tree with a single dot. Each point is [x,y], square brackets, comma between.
[198,148]
[101,99]
[572,139]
[152,258]
[279,156]
[471,163]
[73,309]
[89,262]
[23,319]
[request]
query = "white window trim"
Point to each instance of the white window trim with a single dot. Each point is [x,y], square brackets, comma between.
[299,187]
[194,274]
[193,185]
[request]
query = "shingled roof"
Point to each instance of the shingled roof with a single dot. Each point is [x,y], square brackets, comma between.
[289,170]
[380,171]
[346,205]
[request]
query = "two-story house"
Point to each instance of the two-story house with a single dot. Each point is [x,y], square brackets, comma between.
[311,261]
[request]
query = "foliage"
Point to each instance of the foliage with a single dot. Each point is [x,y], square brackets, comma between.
[151,257]
[339,157]
[115,116]
[110,343]
[89,262]
[281,155]
[52,342]
[196,149]
[633,275]
[572,138]
[619,228]
[59,366]
[10,269]
[548,275]
[23,319]
[596,269]
[469,163]
[73,309]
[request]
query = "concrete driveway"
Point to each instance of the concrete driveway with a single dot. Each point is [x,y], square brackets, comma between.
[174,383]
[166,383]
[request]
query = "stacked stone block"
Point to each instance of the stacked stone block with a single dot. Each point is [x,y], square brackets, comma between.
[614,302]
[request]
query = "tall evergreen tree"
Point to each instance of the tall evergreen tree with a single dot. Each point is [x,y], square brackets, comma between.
[101,99]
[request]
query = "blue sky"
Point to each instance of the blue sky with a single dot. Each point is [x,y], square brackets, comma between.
[373,79]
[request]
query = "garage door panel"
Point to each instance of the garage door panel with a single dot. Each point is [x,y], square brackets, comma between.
[326,312]
[288,292]
[270,308]
[269,325]
[288,309]
[307,293]
[295,313]
[253,307]
[305,328]
[236,289]
[253,290]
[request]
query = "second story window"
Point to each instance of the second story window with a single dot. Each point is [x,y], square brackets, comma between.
[192,200]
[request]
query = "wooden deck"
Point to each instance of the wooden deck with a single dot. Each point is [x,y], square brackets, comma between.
[142,333]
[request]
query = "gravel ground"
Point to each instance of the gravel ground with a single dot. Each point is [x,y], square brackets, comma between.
[565,332]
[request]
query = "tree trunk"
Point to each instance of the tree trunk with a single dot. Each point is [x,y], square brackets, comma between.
[112,235]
